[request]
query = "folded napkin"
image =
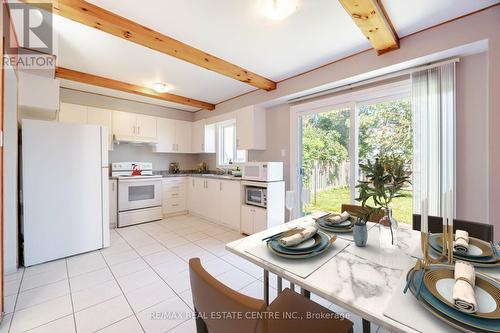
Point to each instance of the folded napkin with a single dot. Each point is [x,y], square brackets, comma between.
[332,220]
[298,238]
[461,243]
[463,290]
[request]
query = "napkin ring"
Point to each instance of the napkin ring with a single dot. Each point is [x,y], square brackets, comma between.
[461,278]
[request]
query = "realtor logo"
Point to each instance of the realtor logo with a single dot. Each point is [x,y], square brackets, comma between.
[29,36]
[32,26]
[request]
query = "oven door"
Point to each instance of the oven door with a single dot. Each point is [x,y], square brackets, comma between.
[255,196]
[138,193]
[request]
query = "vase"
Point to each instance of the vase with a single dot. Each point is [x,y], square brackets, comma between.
[360,234]
[388,227]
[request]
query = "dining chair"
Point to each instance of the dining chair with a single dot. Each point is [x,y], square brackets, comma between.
[354,209]
[475,229]
[211,296]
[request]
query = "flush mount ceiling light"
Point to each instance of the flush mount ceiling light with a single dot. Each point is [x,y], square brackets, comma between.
[161,87]
[278,9]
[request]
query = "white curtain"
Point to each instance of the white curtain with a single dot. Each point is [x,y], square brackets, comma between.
[433,107]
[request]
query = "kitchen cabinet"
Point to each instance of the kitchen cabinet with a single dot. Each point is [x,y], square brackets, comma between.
[183,132]
[251,128]
[253,219]
[124,123]
[146,126]
[166,135]
[113,203]
[72,113]
[230,199]
[174,195]
[133,126]
[216,199]
[203,137]
[80,114]
[174,136]
[196,190]
[198,138]
[102,117]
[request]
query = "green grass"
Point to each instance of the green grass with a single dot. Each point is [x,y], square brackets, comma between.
[331,200]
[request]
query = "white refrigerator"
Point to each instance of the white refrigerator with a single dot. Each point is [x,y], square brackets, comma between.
[64,183]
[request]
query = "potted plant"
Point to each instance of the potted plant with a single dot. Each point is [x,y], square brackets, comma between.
[384,180]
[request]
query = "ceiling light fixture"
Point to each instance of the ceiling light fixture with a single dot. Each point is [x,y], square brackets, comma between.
[279,9]
[161,87]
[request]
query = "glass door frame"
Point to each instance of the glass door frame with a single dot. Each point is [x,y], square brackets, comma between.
[350,100]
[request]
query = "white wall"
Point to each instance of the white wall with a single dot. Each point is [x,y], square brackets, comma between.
[10,172]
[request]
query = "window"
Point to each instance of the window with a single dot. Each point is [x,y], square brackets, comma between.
[227,153]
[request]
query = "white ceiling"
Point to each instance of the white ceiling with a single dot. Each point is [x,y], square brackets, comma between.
[318,33]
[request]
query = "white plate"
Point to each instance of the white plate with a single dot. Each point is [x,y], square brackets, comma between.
[485,303]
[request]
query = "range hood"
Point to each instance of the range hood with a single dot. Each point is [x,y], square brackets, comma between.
[134,139]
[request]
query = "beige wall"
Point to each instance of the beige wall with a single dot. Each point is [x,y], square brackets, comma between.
[113,103]
[472,138]
[483,25]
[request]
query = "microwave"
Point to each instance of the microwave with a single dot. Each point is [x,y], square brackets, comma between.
[256,196]
[262,171]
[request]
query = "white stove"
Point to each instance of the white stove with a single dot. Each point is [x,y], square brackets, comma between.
[139,196]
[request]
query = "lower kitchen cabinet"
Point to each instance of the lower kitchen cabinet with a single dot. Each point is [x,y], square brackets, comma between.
[253,219]
[174,195]
[216,200]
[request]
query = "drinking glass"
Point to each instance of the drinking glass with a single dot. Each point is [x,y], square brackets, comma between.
[289,202]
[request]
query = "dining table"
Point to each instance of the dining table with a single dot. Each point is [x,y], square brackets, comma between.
[366,281]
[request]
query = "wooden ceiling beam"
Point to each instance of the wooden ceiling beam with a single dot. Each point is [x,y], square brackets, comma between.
[96,17]
[371,18]
[69,74]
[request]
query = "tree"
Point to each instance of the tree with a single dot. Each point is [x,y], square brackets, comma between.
[386,128]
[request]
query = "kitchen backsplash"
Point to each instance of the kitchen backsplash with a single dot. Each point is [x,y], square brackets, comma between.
[128,152]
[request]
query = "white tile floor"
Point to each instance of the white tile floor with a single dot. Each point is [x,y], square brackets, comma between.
[117,289]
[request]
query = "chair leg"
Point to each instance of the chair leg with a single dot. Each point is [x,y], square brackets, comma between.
[305,293]
[266,287]
[201,327]
[366,326]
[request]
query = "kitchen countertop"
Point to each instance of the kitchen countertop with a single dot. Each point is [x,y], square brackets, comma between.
[202,175]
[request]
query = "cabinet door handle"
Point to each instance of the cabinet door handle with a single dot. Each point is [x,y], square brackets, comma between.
[175,205]
[139,130]
[237,143]
[220,186]
[175,194]
[173,146]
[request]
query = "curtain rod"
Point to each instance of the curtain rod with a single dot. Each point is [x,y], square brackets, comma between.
[373,80]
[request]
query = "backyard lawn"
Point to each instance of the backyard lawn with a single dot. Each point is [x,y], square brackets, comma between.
[331,200]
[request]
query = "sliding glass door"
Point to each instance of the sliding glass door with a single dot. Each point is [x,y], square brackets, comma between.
[326,159]
[332,141]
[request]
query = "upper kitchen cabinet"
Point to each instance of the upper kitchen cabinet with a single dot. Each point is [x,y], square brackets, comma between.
[203,138]
[174,136]
[251,128]
[80,114]
[183,133]
[102,117]
[73,113]
[134,127]
[166,135]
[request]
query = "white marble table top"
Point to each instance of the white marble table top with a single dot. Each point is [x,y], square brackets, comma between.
[358,279]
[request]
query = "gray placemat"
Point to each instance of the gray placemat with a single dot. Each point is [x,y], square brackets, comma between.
[300,267]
